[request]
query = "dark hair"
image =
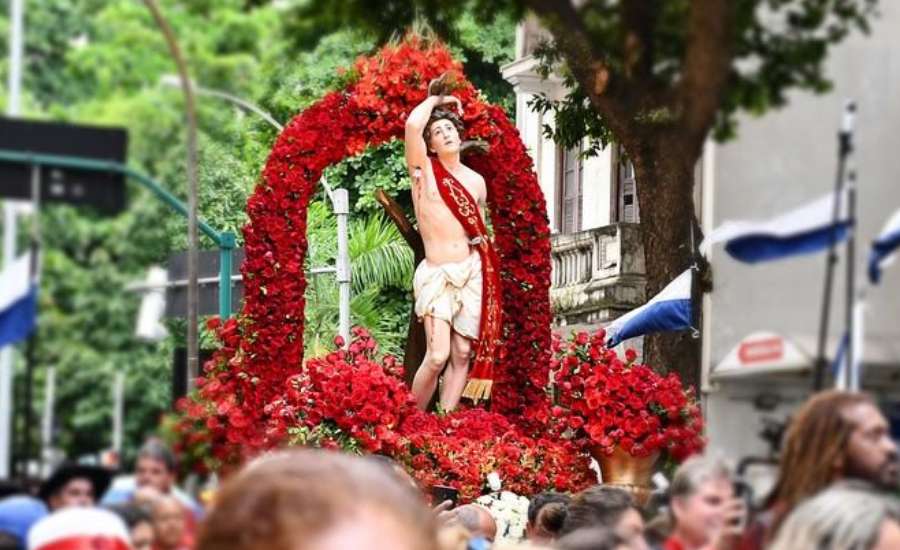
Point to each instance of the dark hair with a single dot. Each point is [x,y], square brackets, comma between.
[131,514]
[551,518]
[8,541]
[442,114]
[597,506]
[542,499]
[591,539]
[155,449]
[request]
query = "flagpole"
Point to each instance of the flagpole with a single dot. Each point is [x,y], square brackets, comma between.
[859,337]
[850,289]
[31,346]
[13,106]
[845,147]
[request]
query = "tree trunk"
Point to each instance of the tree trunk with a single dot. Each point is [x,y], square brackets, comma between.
[665,180]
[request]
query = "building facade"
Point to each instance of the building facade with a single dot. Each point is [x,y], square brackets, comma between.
[592,205]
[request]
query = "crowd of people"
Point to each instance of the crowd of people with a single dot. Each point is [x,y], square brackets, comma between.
[836,489]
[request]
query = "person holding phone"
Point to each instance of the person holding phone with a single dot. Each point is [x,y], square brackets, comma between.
[706,512]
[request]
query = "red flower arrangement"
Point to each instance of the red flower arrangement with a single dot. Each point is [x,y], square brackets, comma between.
[626,404]
[267,343]
[257,393]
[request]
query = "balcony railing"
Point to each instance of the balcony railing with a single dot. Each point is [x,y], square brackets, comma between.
[597,274]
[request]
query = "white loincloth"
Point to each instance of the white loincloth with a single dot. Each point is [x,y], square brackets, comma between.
[451,292]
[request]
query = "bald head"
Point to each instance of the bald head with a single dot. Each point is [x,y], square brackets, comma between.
[168,522]
[477,520]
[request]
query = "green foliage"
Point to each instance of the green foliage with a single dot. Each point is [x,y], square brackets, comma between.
[380,256]
[299,78]
[574,120]
[382,269]
[780,45]
[377,167]
[480,34]
[102,62]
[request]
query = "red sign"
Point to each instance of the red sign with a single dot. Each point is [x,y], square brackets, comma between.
[758,351]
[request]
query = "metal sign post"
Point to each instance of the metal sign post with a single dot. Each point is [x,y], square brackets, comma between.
[341,211]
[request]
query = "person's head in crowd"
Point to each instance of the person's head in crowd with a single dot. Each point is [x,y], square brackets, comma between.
[168,523]
[477,520]
[593,538]
[453,537]
[17,514]
[395,469]
[307,499]
[74,485]
[145,497]
[155,467]
[834,435]
[79,529]
[546,515]
[139,523]
[842,517]
[703,506]
[609,507]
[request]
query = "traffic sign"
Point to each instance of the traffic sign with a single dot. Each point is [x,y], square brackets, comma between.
[104,191]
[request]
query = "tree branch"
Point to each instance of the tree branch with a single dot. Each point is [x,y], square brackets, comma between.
[396,214]
[592,74]
[639,22]
[707,65]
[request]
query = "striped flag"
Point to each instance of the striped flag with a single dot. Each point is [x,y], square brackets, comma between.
[804,230]
[667,311]
[883,248]
[18,301]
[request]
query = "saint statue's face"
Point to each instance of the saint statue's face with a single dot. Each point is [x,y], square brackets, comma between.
[443,137]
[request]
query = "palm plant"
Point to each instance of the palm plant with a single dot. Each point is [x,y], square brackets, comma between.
[382,269]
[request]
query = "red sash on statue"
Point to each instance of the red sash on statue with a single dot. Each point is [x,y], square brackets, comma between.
[464,207]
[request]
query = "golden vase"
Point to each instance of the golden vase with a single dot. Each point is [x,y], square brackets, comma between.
[631,473]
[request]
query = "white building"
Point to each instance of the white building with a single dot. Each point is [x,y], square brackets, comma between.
[592,205]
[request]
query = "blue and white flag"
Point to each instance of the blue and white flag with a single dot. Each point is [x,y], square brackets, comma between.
[669,310]
[804,230]
[882,253]
[18,301]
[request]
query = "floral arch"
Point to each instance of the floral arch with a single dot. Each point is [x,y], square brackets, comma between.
[257,393]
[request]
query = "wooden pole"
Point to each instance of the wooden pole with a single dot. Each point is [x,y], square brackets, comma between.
[414,352]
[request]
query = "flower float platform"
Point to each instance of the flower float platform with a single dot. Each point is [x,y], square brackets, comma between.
[258,393]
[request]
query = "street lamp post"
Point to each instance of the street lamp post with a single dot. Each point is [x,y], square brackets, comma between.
[193,294]
[175,82]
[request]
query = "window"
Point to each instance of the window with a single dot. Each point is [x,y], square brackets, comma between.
[627,209]
[569,191]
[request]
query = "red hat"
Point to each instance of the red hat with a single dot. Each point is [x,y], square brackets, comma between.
[79,529]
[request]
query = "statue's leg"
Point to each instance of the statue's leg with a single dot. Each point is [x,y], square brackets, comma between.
[457,371]
[437,339]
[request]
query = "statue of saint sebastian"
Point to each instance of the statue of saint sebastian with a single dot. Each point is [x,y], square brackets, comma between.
[457,286]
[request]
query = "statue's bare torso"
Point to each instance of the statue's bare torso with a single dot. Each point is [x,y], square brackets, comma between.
[444,238]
